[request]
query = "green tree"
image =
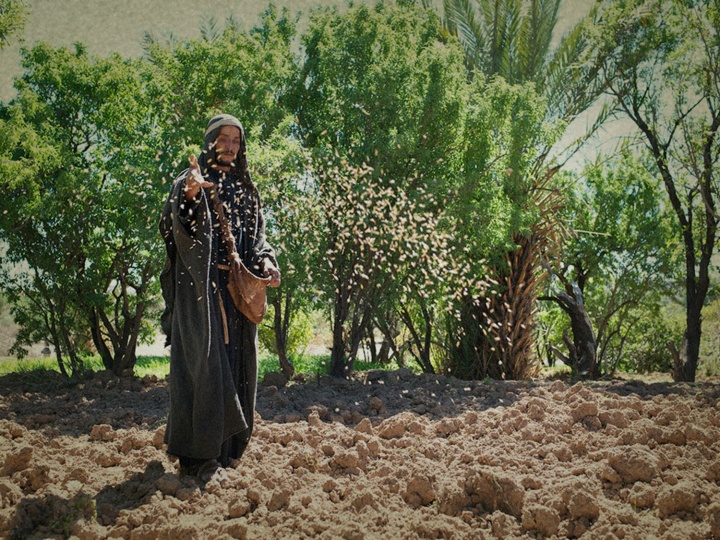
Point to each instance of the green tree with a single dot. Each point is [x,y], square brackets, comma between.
[76,219]
[245,73]
[385,91]
[512,40]
[505,204]
[13,15]
[617,266]
[280,167]
[378,245]
[660,63]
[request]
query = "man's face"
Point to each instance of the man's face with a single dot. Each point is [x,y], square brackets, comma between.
[227,146]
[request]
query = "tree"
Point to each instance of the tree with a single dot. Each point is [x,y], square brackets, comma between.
[618,264]
[504,204]
[383,91]
[245,73]
[660,63]
[511,39]
[79,257]
[280,167]
[13,15]
[378,245]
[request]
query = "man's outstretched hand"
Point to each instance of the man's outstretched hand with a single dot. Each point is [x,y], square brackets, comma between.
[194,180]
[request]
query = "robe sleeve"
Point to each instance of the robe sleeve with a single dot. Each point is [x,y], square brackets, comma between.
[188,210]
[262,250]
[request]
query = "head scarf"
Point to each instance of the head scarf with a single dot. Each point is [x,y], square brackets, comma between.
[208,156]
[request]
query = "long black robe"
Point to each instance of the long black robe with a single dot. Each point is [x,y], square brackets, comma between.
[213,354]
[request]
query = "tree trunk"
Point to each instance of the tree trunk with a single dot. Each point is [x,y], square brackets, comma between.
[423,342]
[685,366]
[388,327]
[96,333]
[337,354]
[282,328]
[583,349]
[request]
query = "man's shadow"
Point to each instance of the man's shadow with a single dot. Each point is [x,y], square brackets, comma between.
[129,495]
[52,515]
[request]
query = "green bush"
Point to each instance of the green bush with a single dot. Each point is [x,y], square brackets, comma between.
[301,332]
[709,364]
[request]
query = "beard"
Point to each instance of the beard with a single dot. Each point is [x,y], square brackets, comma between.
[226,160]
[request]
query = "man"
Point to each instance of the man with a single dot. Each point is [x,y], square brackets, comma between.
[213,347]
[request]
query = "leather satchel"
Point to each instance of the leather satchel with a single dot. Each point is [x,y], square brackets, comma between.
[249,292]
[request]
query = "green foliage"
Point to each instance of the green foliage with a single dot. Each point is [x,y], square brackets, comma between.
[380,101]
[279,166]
[13,16]
[86,152]
[504,138]
[622,258]
[504,218]
[280,172]
[79,258]
[226,70]
[299,335]
[381,87]
[145,365]
[26,365]
[502,193]
[645,349]
[399,167]
[510,38]
[159,366]
[309,365]
[40,365]
[658,61]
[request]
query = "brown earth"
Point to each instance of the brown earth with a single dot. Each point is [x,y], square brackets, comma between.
[393,455]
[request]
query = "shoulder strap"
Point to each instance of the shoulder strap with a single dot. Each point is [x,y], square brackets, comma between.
[225,233]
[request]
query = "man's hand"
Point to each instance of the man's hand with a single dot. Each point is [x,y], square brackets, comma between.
[194,180]
[270,271]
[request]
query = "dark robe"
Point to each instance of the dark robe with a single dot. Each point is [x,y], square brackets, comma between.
[213,347]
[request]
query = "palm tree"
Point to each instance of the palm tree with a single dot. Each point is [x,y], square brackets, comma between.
[513,39]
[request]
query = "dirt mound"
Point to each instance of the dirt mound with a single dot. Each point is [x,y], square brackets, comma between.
[389,455]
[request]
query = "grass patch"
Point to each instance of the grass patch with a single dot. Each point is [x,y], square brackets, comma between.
[320,364]
[152,365]
[304,363]
[558,371]
[316,365]
[27,365]
[159,366]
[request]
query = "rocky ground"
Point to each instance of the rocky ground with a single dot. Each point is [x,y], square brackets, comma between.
[386,455]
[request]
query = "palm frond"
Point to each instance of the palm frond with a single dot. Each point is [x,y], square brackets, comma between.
[571,85]
[460,20]
[536,36]
[502,20]
[509,57]
[209,29]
